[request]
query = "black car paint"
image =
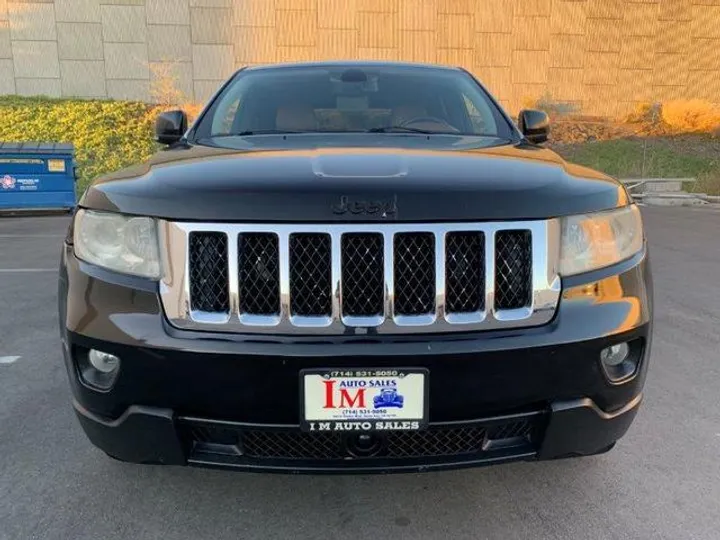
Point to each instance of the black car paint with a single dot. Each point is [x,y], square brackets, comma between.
[299,178]
[170,127]
[252,380]
[170,375]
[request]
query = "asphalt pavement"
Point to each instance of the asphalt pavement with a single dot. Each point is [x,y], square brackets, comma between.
[661,481]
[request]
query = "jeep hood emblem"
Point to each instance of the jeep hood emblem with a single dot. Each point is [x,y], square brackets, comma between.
[358,207]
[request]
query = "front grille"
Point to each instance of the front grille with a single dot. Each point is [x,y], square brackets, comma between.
[471,438]
[209,272]
[335,279]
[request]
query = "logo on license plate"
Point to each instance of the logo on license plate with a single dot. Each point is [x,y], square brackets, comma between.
[364,400]
[353,394]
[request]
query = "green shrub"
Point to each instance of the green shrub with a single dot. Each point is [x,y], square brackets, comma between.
[708,183]
[638,158]
[108,135]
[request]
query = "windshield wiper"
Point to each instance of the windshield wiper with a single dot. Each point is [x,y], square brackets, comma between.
[390,129]
[245,133]
[264,132]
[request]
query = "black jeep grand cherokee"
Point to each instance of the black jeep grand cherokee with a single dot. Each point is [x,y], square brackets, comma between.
[355,267]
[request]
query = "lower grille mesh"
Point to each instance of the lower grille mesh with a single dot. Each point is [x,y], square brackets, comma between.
[291,445]
[437,441]
[447,442]
[511,431]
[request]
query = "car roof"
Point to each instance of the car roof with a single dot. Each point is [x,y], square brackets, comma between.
[350,64]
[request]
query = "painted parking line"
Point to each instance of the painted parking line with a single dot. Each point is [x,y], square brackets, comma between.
[23,270]
[32,236]
[9,359]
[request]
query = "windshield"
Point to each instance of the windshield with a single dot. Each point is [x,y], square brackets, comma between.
[352,99]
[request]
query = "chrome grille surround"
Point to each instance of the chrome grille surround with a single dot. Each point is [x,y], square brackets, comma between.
[175,285]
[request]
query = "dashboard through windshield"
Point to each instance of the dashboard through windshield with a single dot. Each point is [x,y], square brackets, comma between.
[353,99]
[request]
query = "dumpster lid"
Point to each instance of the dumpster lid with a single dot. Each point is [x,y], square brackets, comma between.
[35,148]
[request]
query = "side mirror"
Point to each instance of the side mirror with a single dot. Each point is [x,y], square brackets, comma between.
[170,126]
[535,125]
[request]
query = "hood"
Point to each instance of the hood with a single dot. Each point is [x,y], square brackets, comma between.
[356,183]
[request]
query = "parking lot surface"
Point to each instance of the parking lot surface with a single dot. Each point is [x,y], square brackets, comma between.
[661,481]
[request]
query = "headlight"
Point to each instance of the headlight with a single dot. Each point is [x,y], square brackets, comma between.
[592,241]
[121,243]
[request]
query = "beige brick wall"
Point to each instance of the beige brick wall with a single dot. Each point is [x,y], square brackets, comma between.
[604,56]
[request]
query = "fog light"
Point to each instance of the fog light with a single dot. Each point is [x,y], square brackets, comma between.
[103,362]
[615,355]
[97,369]
[620,362]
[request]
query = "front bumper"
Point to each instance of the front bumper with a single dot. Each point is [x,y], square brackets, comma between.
[193,398]
[153,435]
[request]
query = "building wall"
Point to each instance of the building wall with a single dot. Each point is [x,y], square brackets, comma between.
[603,56]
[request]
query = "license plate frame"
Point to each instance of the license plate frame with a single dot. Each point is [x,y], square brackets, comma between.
[370,418]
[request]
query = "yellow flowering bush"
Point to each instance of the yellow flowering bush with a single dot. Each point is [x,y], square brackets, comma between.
[691,116]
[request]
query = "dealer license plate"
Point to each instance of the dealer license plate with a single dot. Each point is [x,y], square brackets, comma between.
[363,399]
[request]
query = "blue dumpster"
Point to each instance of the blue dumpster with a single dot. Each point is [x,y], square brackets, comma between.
[37,176]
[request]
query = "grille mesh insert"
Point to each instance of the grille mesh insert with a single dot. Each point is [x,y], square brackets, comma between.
[292,445]
[511,431]
[362,274]
[414,273]
[465,272]
[258,262]
[436,441]
[209,272]
[513,269]
[310,275]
